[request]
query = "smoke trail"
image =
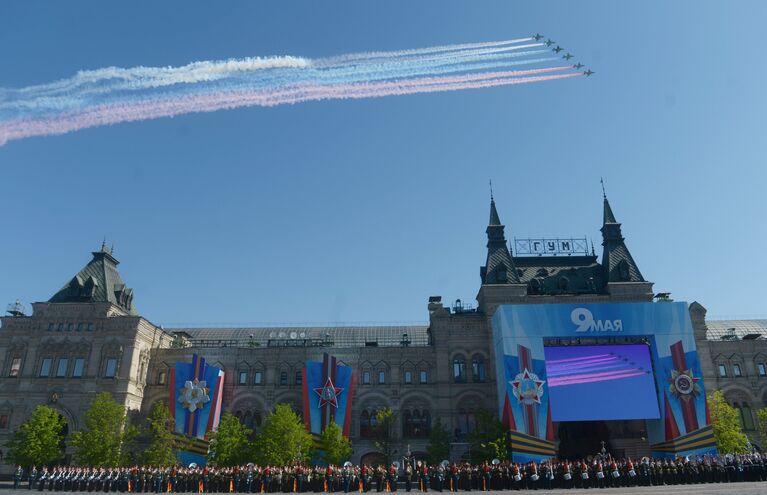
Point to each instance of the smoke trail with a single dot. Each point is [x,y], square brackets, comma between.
[112,95]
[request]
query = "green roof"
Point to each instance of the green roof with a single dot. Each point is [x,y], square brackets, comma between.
[98,281]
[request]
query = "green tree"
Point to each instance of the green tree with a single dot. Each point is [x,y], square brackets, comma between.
[38,440]
[107,436]
[384,433]
[230,443]
[761,418]
[489,438]
[283,438]
[729,435]
[162,443]
[335,447]
[438,448]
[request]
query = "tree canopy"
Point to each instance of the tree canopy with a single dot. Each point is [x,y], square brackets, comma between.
[335,447]
[230,443]
[384,433]
[162,444]
[489,438]
[438,448]
[761,418]
[283,438]
[729,435]
[106,438]
[38,440]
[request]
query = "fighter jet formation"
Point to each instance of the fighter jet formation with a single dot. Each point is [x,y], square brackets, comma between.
[567,56]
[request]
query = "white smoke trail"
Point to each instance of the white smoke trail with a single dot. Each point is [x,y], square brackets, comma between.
[112,95]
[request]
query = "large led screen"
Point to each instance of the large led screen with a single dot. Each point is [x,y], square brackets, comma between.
[602,382]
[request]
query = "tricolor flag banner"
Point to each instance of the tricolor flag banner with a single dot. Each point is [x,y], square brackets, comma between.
[195,397]
[328,390]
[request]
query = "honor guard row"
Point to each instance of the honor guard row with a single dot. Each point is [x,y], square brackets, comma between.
[599,472]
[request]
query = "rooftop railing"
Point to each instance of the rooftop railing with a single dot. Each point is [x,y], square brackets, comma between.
[404,340]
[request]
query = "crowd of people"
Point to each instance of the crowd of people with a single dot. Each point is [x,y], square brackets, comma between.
[599,472]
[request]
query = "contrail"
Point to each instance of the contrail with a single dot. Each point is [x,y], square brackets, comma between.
[112,95]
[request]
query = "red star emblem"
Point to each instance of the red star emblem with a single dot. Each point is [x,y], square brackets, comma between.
[527,387]
[328,394]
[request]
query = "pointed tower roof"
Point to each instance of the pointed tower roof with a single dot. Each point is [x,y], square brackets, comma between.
[494,219]
[608,216]
[499,267]
[617,261]
[98,281]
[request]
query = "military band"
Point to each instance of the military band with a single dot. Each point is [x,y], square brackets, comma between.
[599,472]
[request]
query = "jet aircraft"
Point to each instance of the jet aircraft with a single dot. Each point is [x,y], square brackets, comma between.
[578,65]
[588,73]
[538,37]
[567,56]
[549,42]
[557,49]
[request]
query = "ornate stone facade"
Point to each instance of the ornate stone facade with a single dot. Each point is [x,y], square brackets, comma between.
[89,337]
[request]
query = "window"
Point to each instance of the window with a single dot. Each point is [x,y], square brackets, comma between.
[111,368]
[299,378]
[381,377]
[736,370]
[80,365]
[283,377]
[762,369]
[60,327]
[90,327]
[424,377]
[51,326]
[258,378]
[80,327]
[70,327]
[722,370]
[478,374]
[161,378]
[408,377]
[61,370]
[243,377]
[459,370]
[3,421]
[15,367]
[366,377]
[45,367]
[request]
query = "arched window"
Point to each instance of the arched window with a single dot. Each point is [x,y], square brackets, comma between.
[407,421]
[247,420]
[459,369]
[365,427]
[416,423]
[478,373]
[746,418]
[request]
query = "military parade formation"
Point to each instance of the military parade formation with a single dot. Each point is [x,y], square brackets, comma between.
[600,472]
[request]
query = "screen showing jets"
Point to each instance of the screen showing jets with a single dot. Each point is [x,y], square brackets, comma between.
[605,382]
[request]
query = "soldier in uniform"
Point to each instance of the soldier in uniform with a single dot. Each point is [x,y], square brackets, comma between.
[423,476]
[547,473]
[408,476]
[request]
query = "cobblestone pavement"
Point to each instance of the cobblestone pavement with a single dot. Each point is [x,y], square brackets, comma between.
[759,488]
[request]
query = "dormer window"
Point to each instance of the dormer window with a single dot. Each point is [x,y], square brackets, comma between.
[623,270]
[500,275]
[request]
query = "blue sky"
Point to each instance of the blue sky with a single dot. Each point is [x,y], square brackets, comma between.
[358,211]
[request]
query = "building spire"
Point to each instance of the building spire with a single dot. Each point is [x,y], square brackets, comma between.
[617,261]
[499,267]
[494,218]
